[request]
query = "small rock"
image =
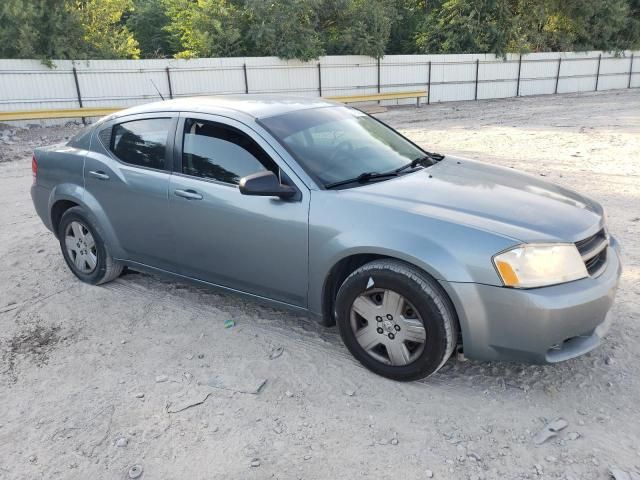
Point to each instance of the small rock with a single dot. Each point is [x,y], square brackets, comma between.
[276,352]
[161,378]
[474,456]
[551,459]
[609,360]
[538,468]
[201,356]
[140,395]
[428,474]
[307,457]
[255,463]
[350,393]
[394,441]
[135,471]
[122,442]
[573,435]
[550,431]
[288,393]
[33,459]
[278,430]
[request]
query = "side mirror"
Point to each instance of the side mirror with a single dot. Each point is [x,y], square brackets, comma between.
[265,184]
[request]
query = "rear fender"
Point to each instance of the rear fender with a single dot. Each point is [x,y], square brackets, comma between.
[93,210]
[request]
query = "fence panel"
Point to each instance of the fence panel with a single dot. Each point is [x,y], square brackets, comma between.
[30,85]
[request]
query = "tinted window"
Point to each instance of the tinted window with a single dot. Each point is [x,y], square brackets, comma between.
[219,152]
[338,143]
[141,142]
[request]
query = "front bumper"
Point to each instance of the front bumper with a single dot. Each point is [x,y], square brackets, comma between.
[541,325]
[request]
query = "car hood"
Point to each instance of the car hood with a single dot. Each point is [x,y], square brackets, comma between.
[490,198]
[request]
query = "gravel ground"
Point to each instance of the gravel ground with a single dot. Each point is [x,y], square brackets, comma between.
[140,374]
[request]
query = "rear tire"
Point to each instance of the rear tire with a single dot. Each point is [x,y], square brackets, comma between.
[84,249]
[396,320]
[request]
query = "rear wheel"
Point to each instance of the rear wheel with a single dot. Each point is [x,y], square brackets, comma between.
[84,250]
[396,320]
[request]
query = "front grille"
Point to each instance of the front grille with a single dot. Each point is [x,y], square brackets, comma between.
[594,252]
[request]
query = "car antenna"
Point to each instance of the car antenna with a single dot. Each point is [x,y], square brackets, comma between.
[157,90]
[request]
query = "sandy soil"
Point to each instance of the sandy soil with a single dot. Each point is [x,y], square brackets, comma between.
[96,380]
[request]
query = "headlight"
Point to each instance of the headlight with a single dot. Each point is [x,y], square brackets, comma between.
[538,265]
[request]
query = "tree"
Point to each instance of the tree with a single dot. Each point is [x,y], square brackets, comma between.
[356,27]
[148,23]
[282,29]
[105,30]
[467,26]
[204,28]
[43,29]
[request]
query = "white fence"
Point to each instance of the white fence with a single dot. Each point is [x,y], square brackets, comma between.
[28,84]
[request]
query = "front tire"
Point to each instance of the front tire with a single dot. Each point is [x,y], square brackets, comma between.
[396,320]
[84,249]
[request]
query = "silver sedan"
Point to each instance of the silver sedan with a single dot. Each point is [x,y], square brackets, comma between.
[314,206]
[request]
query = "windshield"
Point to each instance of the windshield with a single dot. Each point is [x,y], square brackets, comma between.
[338,143]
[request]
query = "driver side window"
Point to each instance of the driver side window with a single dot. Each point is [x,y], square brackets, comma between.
[219,152]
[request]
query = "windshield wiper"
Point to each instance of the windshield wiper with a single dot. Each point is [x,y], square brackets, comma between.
[362,178]
[428,159]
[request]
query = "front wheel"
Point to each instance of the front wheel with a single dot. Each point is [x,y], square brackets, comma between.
[396,320]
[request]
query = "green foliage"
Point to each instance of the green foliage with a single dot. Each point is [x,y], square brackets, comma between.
[41,29]
[104,28]
[204,28]
[356,27]
[467,26]
[306,29]
[282,29]
[149,21]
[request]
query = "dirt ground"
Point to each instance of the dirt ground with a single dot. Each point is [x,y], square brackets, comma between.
[142,373]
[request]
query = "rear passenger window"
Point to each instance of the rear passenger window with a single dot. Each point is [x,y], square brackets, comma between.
[219,152]
[141,142]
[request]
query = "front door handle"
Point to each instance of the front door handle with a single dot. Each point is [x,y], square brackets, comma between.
[188,194]
[99,174]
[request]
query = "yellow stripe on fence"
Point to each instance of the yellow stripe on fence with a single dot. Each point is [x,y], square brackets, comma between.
[61,113]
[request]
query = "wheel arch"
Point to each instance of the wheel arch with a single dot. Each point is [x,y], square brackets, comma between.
[66,196]
[348,264]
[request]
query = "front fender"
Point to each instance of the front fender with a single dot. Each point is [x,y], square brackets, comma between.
[447,251]
[94,211]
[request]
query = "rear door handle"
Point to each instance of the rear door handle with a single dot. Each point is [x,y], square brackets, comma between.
[188,194]
[99,174]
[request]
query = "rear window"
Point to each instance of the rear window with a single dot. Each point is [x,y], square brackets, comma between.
[141,142]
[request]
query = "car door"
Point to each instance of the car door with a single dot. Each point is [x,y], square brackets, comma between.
[252,244]
[127,173]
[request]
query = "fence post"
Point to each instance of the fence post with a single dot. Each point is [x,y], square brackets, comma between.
[519,68]
[319,79]
[169,83]
[378,75]
[75,79]
[598,71]
[558,74]
[475,97]
[630,71]
[429,85]
[246,80]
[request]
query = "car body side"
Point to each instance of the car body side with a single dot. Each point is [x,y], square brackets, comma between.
[346,230]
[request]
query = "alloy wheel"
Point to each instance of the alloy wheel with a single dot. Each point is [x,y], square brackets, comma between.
[81,247]
[388,327]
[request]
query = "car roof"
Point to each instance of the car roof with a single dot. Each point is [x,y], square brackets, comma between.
[257,106]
